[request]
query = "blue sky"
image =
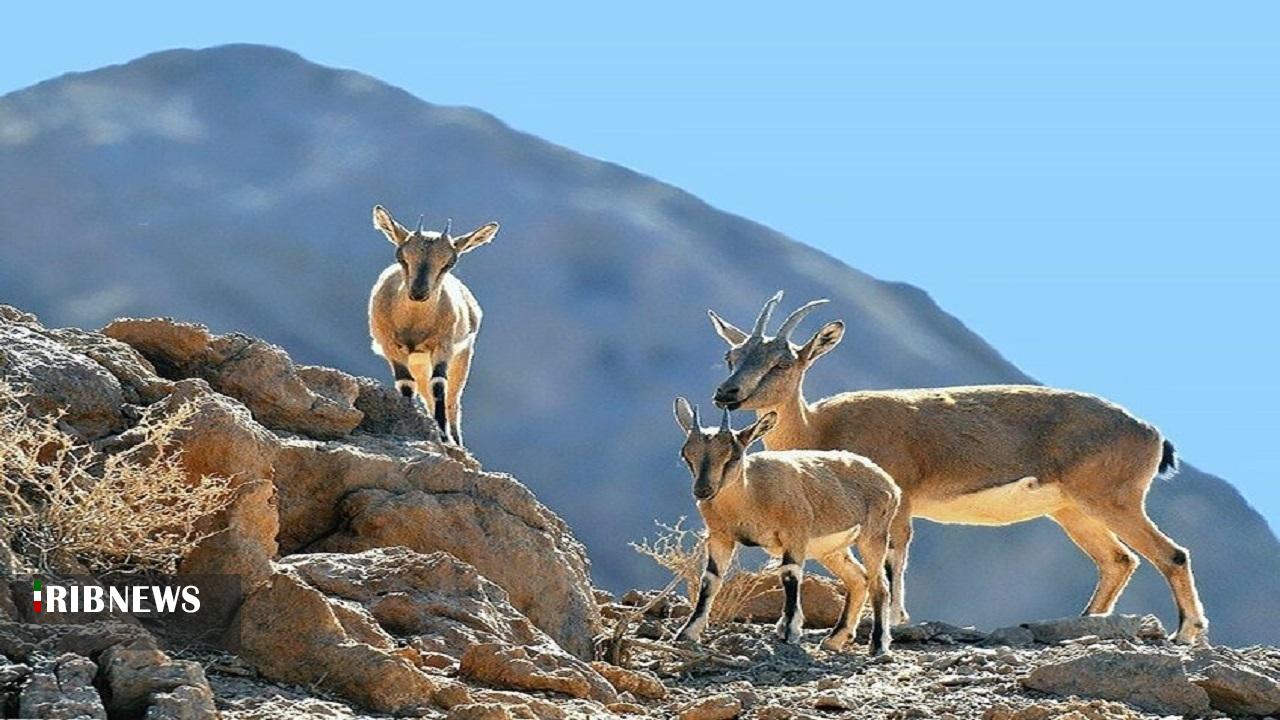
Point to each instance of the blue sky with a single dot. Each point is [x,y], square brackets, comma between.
[1091,186]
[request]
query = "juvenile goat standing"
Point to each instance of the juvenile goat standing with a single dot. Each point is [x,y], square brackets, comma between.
[424,320]
[985,455]
[795,505]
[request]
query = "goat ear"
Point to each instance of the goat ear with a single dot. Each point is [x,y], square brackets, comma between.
[475,238]
[726,330]
[394,231]
[684,415]
[758,429]
[823,341]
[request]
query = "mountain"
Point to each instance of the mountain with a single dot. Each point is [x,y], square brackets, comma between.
[232,186]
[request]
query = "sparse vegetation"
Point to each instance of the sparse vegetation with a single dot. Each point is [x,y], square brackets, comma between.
[134,511]
[682,551]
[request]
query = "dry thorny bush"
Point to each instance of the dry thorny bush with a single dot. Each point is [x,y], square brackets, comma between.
[682,551]
[133,511]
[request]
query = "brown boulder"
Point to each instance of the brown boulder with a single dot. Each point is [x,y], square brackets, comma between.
[534,669]
[1154,682]
[367,492]
[821,598]
[253,371]
[57,379]
[137,674]
[435,603]
[1239,690]
[713,707]
[637,682]
[222,439]
[292,633]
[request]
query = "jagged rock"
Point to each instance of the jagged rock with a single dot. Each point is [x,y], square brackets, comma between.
[27,642]
[12,677]
[1239,690]
[291,632]
[479,711]
[1153,682]
[62,688]
[715,707]
[637,682]
[1109,627]
[57,379]
[387,412]
[1011,636]
[365,493]
[255,372]
[534,668]
[930,631]
[435,603]
[223,439]
[185,702]
[134,674]
[821,598]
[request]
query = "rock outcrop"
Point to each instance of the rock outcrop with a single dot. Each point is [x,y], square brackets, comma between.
[360,555]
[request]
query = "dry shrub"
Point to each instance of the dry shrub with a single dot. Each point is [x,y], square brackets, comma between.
[682,552]
[134,511]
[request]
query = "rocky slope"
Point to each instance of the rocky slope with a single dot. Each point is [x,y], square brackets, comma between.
[381,574]
[232,187]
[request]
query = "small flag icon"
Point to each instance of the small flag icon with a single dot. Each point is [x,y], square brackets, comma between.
[38,597]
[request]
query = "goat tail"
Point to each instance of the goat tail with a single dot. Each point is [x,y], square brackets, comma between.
[1168,460]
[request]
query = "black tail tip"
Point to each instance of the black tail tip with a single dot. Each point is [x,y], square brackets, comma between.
[1168,459]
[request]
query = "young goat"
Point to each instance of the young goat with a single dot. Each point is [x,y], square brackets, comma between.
[990,455]
[795,505]
[424,320]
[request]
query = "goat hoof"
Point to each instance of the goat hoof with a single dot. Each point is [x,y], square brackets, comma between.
[834,643]
[880,653]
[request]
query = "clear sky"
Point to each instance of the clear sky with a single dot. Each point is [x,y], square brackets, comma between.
[1094,187]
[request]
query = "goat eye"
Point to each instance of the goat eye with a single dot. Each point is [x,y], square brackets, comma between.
[728,360]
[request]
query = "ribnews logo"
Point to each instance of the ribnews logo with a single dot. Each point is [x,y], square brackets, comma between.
[131,599]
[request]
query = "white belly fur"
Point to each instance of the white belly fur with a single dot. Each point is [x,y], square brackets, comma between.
[1002,505]
[835,542]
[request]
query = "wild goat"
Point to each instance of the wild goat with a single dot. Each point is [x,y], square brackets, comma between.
[424,320]
[989,455]
[795,505]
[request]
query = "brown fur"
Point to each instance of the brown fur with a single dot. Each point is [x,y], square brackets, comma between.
[795,505]
[441,327]
[988,455]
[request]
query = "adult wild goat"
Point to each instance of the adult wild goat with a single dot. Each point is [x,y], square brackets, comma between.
[424,320]
[795,505]
[986,455]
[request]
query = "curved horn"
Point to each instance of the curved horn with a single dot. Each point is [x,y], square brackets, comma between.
[765,313]
[419,230]
[788,325]
[724,421]
[448,225]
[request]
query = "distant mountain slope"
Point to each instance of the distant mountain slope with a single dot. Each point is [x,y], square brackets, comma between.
[232,186]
